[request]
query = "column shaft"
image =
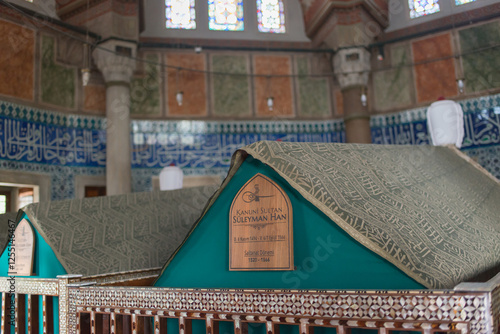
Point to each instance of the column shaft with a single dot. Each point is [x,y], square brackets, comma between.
[118,148]
[356,116]
[117,70]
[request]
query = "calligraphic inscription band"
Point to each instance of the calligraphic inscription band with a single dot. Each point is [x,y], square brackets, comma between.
[261,227]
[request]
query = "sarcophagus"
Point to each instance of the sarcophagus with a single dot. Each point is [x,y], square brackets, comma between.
[110,240]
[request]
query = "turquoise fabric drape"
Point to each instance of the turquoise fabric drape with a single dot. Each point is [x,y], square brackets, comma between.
[45,265]
[325,256]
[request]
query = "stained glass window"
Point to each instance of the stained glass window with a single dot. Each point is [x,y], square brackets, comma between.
[271,16]
[423,7]
[225,15]
[180,14]
[461,2]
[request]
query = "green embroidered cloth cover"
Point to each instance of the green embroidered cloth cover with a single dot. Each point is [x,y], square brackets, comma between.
[430,211]
[111,234]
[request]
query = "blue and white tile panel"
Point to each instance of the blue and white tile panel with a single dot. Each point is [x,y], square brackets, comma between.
[64,146]
[481,122]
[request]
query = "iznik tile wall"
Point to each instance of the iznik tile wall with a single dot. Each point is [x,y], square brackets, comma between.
[481,126]
[201,147]
[55,144]
[64,146]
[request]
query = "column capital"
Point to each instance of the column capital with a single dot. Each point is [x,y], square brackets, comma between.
[352,67]
[115,60]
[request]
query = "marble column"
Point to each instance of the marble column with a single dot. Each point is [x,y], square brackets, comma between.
[352,67]
[115,61]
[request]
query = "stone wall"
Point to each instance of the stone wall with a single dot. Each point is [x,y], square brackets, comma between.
[417,72]
[51,125]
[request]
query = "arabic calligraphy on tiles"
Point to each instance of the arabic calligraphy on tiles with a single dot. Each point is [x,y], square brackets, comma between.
[481,128]
[210,150]
[34,142]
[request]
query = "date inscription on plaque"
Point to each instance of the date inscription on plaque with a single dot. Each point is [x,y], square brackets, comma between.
[261,227]
[23,249]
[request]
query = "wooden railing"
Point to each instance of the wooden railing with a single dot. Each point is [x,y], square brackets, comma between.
[86,307]
[22,299]
[36,294]
[149,310]
[142,277]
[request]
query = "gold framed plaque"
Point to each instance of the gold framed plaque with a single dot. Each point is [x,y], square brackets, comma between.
[22,250]
[261,227]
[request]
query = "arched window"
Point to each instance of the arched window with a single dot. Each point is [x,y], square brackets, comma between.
[225,15]
[420,8]
[180,14]
[271,16]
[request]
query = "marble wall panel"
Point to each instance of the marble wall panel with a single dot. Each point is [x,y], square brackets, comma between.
[192,84]
[392,87]
[339,103]
[145,87]
[95,98]
[57,82]
[280,88]
[481,56]
[314,92]
[434,78]
[231,92]
[17,60]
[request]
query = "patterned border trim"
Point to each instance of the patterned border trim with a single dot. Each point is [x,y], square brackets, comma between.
[122,276]
[31,286]
[420,114]
[495,309]
[271,126]
[212,127]
[442,307]
[16,111]
[47,117]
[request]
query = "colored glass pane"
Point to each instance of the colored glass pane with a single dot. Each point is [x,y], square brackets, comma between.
[271,16]
[180,14]
[420,8]
[225,15]
[461,2]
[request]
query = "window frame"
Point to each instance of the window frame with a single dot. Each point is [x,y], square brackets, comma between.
[192,11]
[283,13]
[239,4]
